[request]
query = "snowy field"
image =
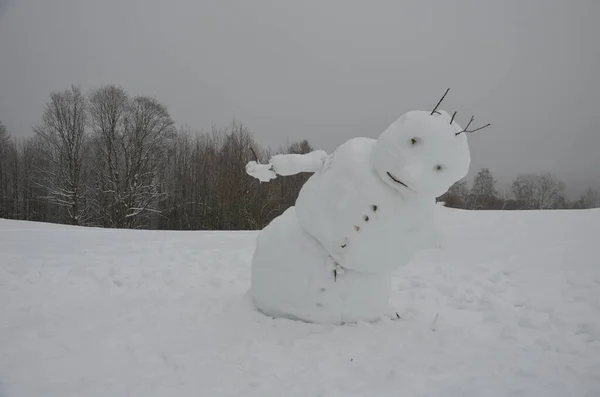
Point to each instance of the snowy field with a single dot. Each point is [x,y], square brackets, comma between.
[510,306]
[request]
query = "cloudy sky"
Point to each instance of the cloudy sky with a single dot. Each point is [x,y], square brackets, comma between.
[328,70]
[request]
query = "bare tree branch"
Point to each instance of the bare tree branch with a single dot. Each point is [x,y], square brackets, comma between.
[439,103]
[466,129]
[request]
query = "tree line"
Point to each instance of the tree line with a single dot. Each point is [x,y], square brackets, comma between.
[527,192]
[108,159]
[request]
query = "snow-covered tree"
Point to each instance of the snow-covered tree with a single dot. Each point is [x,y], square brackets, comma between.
[7,174]
[107,111]
[590,199]
[483,192]
[523,188]
[538,191]
[61,133]
[456,196]
[132,137]
[549,191]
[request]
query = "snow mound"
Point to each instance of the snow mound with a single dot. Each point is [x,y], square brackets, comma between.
[509,307]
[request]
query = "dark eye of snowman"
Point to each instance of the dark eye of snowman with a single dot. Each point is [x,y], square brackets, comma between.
[414,141]
[439,167]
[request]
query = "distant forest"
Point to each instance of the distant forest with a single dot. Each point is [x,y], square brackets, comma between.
[108,159]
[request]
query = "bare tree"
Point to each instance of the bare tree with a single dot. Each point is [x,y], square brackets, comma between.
[590,199]
[62,135]
[523,188]
[505,200]
[8,174]
[108,107]
[147,134]
[208,188]
[132,138]
[483,193]
[234,188]
[29,202]
[549,191]
[456,196]
[5,142]
[538,191]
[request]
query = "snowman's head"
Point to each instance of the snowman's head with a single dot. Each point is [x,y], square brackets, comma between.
[422,151]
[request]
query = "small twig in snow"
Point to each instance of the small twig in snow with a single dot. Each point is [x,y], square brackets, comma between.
[434,321]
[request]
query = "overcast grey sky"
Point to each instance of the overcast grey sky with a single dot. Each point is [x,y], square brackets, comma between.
[328,70]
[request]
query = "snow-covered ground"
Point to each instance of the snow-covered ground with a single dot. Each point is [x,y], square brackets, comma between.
[509,307]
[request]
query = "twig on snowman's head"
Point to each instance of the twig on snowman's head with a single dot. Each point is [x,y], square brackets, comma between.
[480,128]
[453,116]
[470,121]
[466,129]
[438,104]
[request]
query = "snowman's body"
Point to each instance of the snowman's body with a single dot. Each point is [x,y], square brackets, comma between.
[366,210]
[364,224]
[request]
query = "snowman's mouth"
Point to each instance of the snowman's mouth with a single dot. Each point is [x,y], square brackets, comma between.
[397,180]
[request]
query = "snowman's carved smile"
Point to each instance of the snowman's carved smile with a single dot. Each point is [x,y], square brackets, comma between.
[397,180]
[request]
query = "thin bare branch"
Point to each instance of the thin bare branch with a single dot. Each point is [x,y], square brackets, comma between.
[466,129]
[439,103]
[254,154]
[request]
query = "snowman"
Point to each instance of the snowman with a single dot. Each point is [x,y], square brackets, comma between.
[368,208]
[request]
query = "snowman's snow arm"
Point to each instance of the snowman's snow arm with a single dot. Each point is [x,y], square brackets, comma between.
[287,164]
[292,164]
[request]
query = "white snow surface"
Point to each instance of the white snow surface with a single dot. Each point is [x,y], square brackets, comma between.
[510,306]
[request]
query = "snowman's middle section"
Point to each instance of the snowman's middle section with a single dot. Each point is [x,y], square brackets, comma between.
[362,222]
